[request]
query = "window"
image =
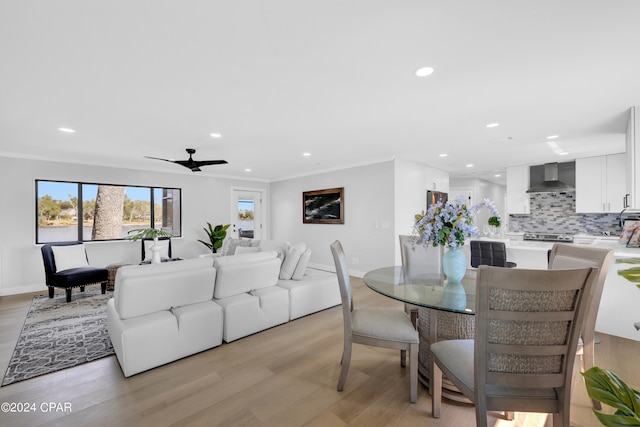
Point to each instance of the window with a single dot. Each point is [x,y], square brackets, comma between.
[68,211]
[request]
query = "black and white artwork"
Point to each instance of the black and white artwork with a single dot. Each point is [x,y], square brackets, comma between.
[323,206]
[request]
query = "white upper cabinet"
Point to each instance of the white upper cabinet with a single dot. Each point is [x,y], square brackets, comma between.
[600,183]
[517,186]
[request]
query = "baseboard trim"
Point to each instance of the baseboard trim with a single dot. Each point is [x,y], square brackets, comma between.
[15,290]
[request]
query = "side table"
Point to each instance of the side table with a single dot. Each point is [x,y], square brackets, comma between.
[111,277]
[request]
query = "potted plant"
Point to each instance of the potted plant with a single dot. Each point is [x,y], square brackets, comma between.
[216,235]
[150,233]
[606,387]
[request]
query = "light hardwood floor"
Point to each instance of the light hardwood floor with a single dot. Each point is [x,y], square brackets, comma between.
[285,376]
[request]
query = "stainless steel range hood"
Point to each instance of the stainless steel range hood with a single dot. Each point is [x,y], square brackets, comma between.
[551,182]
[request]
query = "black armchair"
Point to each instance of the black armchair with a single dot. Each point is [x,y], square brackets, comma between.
[70,277]
[484,252]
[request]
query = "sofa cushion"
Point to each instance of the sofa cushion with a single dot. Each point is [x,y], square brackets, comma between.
[145,289]
[71,256]
[301,268]
[275,245]
[291,260]
[245,272]
[246,250]
[229,246]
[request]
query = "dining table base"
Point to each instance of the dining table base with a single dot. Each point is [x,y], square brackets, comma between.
[434,326]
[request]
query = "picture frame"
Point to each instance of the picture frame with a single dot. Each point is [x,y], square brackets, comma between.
[323,206]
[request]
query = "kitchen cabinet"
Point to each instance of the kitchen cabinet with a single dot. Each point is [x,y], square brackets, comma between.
[600,183]
[517,186]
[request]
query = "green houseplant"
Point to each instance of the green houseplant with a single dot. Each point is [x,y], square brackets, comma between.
[606,387]
[148,233]
[216,235]
[494,221]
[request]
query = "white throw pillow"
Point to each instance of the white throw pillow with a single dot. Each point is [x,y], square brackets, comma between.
[291,260]
[230,245]
[246,250]
[275,245]
[66,257]
[301,268]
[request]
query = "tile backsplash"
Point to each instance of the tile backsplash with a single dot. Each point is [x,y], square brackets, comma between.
[556,213]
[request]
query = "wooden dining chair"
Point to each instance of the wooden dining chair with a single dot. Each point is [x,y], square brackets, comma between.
[419,261]
[564,255]
[374,326]
[527,328]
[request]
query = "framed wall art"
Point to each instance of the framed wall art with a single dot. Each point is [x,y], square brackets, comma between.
[323,206]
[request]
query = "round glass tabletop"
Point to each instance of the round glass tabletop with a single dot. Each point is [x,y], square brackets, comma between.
[424,291]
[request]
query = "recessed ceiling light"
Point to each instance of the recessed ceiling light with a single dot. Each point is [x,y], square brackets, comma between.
[424,71]
[562,153]
[216,135]
[493,125]
[66,130]
[553,137]
[470,165]
[247,170]
[443,155]
[497,175]
[306,154]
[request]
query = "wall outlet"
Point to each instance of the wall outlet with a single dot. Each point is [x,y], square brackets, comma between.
[355,261]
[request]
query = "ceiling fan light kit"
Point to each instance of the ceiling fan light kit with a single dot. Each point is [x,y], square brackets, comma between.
[194,165]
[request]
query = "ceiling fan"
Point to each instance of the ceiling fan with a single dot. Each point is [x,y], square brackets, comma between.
[194,165]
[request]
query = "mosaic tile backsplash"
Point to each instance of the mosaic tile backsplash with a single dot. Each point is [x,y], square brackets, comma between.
[556,213]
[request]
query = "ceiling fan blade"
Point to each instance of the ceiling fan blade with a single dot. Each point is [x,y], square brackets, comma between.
[211,162]
[194,165]
[158,158]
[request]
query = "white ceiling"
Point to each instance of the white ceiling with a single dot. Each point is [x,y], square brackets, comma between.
[333,78]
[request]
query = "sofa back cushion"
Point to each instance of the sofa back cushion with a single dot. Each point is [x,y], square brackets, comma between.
[145,289]
[243,273]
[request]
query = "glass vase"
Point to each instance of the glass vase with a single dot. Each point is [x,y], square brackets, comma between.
[454,264]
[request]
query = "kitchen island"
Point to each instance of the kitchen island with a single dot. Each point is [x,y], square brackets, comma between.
[619,309]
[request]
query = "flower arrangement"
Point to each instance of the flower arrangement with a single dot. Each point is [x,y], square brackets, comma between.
[450,224]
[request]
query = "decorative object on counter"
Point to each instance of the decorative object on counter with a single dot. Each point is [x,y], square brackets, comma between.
[606,387]
[631,274]
[494,224]
[151,233]
[450,224]
[216,235]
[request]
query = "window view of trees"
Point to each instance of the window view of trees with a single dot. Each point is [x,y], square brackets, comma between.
[69,211]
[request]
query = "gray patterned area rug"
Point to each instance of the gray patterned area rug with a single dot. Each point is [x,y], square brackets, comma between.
[58,335]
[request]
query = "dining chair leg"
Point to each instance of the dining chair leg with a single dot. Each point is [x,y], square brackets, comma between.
[435,387]
[346,361]
[413,372]
[508,415]
[587,361]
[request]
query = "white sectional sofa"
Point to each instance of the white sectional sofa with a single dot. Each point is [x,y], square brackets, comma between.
[246,289]
[164,312]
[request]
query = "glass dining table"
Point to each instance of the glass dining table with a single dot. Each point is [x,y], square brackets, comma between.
[445,310]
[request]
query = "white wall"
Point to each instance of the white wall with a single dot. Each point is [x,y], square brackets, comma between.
[203,199]
[412,180]
[367,234]
[481,190]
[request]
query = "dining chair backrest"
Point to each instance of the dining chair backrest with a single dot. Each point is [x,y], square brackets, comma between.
[564,255]
[527,328]
[419,260]
[486,252]
[342,272]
